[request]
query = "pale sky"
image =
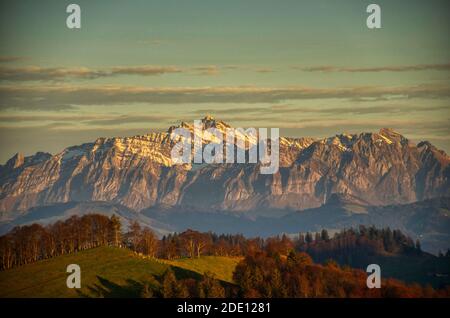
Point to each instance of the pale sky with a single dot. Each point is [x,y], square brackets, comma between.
[311,68]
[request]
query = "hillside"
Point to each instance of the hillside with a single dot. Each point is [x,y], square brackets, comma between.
[105,272]
[221,266]
[117,272]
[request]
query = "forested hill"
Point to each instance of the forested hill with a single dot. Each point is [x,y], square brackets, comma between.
[397,254]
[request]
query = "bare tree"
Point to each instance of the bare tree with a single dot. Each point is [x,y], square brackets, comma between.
[115,230]
[149,242]
[134,235]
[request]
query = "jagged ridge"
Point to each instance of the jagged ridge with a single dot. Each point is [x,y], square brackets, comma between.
[377,168]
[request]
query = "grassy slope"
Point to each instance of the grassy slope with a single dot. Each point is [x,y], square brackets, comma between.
[222,267]
[105,272]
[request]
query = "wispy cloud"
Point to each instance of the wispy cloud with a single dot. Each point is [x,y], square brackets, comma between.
[401,68]
[143,70]
[209,70]
[362,110]
[35,73]
[264,70]
[86,120]
[66,96]
[233,110]
[9,59]
[128,119]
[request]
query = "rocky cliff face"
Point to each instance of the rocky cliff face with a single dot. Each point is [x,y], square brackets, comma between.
[137,172]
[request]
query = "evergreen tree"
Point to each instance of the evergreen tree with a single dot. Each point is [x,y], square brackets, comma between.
[324,235]
[317,237]
[308,238]
[301,239]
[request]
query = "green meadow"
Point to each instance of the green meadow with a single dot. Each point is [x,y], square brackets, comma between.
[105,272]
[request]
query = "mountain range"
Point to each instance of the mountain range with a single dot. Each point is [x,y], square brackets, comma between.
[362,171]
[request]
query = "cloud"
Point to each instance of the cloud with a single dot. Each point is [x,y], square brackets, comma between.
[36,73]
[288,113]
[248,68]
[42,118]
[9,59]
[66,96]
[404,68]
[143,70]
[370,110]
[209,70]
[233,110]
[128,119]
[264,70]
[85,120]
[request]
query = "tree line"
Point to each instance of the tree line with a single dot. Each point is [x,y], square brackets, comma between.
[354,246]
[30,243]
[168,286]
[278,266]
[263,274]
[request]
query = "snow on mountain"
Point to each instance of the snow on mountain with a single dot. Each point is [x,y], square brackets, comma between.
[137,172]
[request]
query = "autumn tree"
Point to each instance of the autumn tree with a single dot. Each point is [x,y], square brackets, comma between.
[30,243]
[169,247]
[134,235]
[7,254]
[148,244]
[147,291]
[265,275]
[194,242]
[209,287]
[115,231]
[171,288]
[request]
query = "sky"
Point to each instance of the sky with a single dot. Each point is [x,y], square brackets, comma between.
[311,68]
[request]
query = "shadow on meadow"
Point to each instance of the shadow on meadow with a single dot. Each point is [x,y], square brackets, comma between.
[108,289]
[132,288]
